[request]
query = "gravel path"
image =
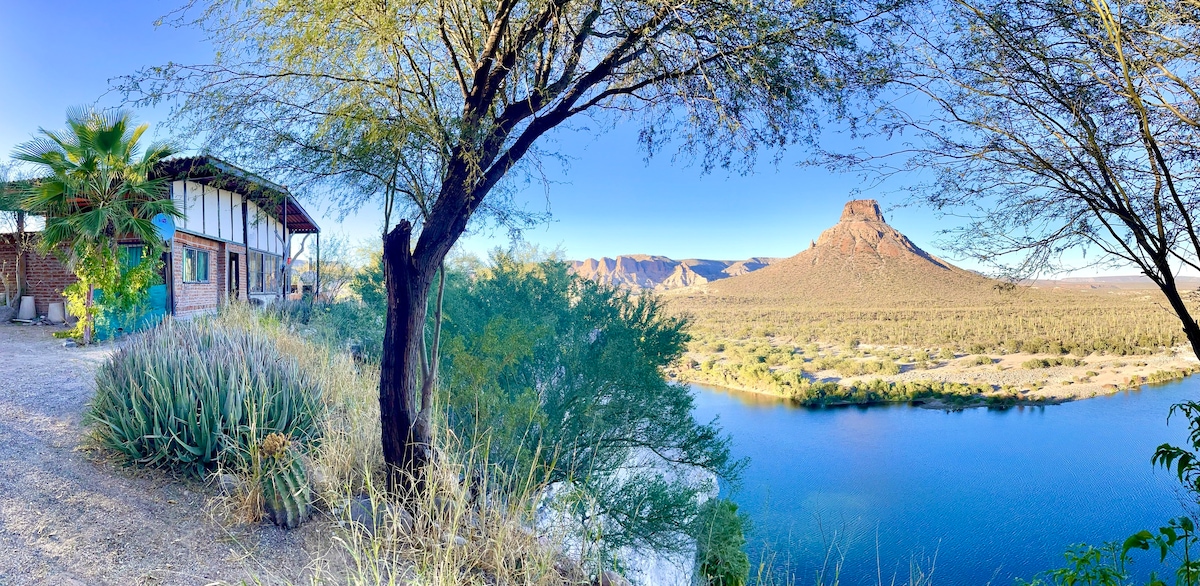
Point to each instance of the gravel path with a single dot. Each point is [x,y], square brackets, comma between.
[69,517]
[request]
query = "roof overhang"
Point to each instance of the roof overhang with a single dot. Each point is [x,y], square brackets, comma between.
[268,195]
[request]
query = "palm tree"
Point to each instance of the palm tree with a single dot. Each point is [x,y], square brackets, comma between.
[96,186]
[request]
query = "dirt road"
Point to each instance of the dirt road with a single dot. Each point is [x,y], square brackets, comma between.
[69,517]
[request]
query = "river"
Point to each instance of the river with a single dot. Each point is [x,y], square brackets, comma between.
[977,496]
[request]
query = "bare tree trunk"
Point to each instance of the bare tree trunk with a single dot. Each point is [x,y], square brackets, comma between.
[22,244]
[405,434]
[88,321]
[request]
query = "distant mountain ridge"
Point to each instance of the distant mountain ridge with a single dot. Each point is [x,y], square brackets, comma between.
[643,272]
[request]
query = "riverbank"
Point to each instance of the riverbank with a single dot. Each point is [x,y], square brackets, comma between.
[831,376]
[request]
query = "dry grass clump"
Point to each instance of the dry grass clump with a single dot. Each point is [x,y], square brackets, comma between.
[453,532]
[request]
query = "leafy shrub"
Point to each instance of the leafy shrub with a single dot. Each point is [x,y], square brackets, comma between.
[720,544]
[1036,363]
[556,378]
[1087,565]
[191,395]
[981,361]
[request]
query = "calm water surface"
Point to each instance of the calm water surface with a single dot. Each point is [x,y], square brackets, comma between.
[982,496]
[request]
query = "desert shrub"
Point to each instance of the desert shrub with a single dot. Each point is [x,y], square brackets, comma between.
[981,361]
[1036,363]
[191,395]
[553,377]
[720,545]
[350,323]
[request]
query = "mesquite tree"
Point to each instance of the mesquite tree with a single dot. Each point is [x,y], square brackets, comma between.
[431,107]
[1054,126]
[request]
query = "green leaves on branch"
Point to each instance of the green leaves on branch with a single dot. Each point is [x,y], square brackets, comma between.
[720,544]
[554,374]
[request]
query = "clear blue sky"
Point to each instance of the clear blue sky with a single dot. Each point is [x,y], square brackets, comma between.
[608,201]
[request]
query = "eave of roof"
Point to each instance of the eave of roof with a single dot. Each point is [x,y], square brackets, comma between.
[275,198]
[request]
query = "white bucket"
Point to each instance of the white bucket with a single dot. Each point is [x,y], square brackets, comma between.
[26,311]
[56,313]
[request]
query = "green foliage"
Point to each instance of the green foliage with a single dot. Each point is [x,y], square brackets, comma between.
[1178,534]
[557,375]
[1183,461]
[357,322]
[720,544]
[109,288]
[97,188]
[191,395]
[1034,322]
[1089,566]
[1035,363]
[284,481]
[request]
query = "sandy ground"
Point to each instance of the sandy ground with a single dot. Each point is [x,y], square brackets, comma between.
[69,517]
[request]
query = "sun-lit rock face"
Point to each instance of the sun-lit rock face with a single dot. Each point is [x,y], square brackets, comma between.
[639,272]
[862,232]
[862,210]
[860,261]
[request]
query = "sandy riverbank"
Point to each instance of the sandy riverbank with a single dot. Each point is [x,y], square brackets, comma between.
[1006,375]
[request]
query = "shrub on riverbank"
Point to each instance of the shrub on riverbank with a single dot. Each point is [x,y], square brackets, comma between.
[720,545]
[796,386]
[1036,363]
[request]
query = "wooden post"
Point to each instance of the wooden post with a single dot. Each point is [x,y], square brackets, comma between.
[317,285]
[287,252]
[246,244]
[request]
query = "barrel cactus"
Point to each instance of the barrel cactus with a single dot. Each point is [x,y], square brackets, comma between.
[286,494]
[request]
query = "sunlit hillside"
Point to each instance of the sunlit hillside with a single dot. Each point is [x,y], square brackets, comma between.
[863,281]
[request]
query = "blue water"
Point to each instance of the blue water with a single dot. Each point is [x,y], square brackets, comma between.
[978,496]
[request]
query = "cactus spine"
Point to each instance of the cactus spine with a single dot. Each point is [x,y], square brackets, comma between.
[285,489]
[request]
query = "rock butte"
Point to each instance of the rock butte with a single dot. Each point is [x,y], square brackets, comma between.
[860,261]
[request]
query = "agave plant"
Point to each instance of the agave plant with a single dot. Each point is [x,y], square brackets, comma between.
[191,395]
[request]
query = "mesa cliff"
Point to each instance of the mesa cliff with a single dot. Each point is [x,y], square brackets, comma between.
[641,272]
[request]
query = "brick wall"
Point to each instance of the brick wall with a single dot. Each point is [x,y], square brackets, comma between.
[197,298]
[240,251]
[45,276]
